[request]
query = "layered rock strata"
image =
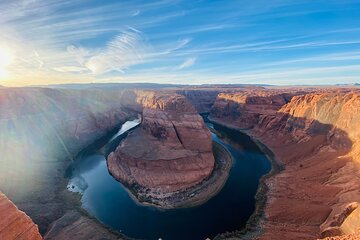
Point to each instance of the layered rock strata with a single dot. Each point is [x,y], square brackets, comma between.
[244,109]
[15,224]
[74,225]
[352,236]
[201,99]
[315,138]
[170,151]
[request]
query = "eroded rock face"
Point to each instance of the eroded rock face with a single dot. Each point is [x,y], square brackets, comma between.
[40,131]
[15,224]
[353,236]
[170,151]
[73,225]
[201,99]
[244,109]
[315,137]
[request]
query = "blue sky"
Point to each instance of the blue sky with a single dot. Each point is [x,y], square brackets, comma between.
[173,41]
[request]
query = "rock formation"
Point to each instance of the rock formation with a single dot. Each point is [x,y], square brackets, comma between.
[244,109]
[73,225]
[315,137]
[201,99]
[314,134]
[40,131]
[169,152]
[15,224]
[352,236]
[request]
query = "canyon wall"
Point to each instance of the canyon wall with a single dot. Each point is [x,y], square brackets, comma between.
[40,131]
[15,224]
[74,225]
[201,99]
[244,109]
[170,151]
[315,138]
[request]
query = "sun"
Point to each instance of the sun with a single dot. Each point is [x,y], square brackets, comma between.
[5,59]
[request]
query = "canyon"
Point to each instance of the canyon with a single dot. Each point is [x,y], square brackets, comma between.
[41,131]
[168,154]
[310,134]
[314,139]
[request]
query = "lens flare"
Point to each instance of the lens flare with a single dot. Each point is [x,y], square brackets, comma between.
[6,58]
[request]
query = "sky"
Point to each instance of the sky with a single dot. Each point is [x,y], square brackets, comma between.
[280,42]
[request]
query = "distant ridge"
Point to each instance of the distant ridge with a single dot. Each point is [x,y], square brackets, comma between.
[115,86]
[144,85]
[237,85]
[110,85]
[349,84]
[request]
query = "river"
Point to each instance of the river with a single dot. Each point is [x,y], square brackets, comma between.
[106,199]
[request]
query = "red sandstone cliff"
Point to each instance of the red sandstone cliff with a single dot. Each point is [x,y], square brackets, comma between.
[244,109]
[314,136]
[74,225]
[15,224]
[353,236]
[316,139]
[201,99]
[170,151]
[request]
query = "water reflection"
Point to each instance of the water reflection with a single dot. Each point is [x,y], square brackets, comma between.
[107,200]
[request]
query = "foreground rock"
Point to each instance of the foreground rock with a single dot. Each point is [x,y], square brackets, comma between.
[74,225]
[353,236]
[315,138]
[15,224]
[171,151]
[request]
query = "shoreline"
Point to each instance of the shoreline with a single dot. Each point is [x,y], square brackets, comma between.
[253,227]
[193,196]
[73,199]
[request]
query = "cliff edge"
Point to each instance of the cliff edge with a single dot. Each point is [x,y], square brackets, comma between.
[170,151]
[15,224]
[315,138]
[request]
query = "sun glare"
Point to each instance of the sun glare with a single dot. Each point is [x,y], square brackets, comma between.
[5,59]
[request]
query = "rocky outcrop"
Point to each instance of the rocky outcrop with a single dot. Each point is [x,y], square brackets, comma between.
[170,151]
[244,109]
[73,225]
[345,222]
[15,224]
[315,138]
[354,236]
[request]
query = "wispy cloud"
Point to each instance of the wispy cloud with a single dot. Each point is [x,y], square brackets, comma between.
[276,45]
[124,50]
[135,13]
[240,41]
[70,69]
[309,75]
[78,53]
[187,63]
[179,45]
[335,57]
